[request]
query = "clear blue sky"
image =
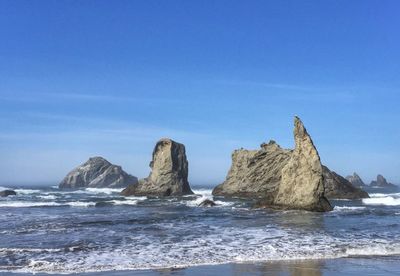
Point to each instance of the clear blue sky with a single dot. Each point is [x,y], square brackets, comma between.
[109,78]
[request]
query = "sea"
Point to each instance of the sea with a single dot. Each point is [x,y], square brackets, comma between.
[96,230]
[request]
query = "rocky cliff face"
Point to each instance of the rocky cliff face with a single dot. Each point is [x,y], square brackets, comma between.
[97,172]
[355,180]
[169,172]
[255,173]
[302,183]
[382,182]
[338,187]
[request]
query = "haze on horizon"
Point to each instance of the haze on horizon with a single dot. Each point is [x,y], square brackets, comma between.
[89,78]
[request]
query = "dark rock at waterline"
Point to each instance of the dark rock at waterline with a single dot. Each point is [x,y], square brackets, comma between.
[337,187]
[381,182]
[169,172]
[97,172]
[207,203]
[6,193]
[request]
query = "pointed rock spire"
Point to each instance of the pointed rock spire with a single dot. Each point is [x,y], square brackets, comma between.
[302,185]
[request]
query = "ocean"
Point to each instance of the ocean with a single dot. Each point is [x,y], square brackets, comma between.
[47,230]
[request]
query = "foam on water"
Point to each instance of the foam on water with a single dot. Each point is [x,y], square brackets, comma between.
[26,204]
[205,194]
[223,246]
[151,233]
[107,191]
[387,200]
[348,208]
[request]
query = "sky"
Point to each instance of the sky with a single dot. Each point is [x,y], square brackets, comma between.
[110,78]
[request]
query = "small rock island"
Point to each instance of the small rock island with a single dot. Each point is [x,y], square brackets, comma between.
[169,172]
[97,172]
[381,182]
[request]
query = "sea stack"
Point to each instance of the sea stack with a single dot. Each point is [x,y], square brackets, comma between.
[258,174]
[97,172]
[381,182]
[355,180]
[337,187]
[302,184]
[169,172]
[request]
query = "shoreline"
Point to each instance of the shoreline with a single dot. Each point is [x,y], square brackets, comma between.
[356,266]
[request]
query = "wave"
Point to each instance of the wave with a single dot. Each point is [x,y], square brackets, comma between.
[387,200]
[194,253]
[130,201]
[25,204]
[205,194]
[107,191]
[384,195]
[348,208]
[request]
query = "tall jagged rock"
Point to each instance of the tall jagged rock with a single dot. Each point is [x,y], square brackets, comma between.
[254,173]
[355,180]
[302,183]
[337,187]
[169,172]
[97,172]
[381,182]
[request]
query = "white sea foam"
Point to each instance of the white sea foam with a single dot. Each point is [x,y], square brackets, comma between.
[107,191]
[348,208]
[130,201]
[26,191]
[224,246]
[47,196]
[387,200]
[205,194]
[374,250]
[23,204]
[80,204]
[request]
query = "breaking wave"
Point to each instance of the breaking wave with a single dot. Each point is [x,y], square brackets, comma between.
[392,199]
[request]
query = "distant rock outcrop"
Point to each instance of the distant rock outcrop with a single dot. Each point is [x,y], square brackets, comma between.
[6,193]
[169,172]
[338,187]
[97,172]
[355,180]
[382,183]
[302,183]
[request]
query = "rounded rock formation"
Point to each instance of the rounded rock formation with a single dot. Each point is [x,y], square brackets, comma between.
[97,172]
